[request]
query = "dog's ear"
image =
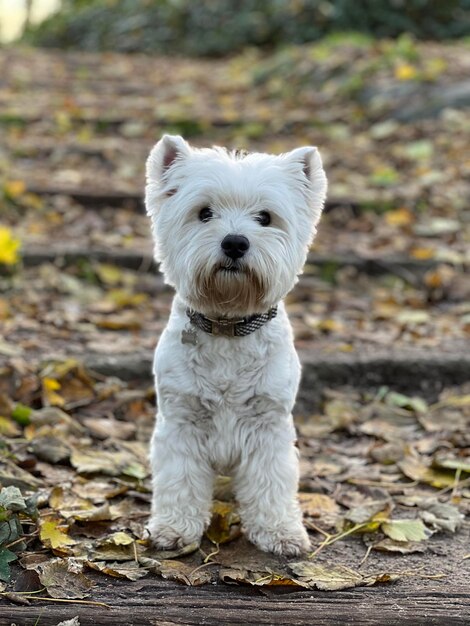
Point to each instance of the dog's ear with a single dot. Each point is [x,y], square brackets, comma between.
[310,160]
[169,150]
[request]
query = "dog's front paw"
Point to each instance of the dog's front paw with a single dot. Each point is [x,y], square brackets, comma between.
[166,537]
[284,542]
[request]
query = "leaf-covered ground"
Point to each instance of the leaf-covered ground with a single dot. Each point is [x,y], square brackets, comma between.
[385,483]
[382,476]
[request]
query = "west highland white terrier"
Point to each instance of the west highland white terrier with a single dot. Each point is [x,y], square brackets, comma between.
[231,234]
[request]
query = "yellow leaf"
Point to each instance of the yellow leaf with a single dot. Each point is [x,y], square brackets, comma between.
[331,326]
[67,503]
[121,298]
[53,533]
[14,188]
[422,253]
[109,274]
[433,279]
[399,217]
[121,539]
[8,428]
[405,71]
[50,386]
[8,247]
[224,525]
[405,530]
[5,311]
[442,276]
[459,401]
[419,470]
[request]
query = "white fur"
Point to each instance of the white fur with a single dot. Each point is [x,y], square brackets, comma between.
[224,405]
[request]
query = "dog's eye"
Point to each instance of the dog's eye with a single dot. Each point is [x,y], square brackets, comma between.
[263,218]
[205,214]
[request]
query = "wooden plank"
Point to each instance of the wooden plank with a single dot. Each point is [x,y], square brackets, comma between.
[159,603]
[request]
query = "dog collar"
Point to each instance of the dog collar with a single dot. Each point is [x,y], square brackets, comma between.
[229,327]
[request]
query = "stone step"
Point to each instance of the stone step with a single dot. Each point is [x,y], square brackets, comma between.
[402,266]
[422,372]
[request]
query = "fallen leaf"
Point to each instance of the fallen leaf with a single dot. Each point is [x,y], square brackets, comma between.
[184,573]
[437,226]
[103,428]
[413,317]
[225,523]
[14,188]
[405,71]
[414,403]
[402,547]
[11,474]
[451,463]
[51,397]
[53,533]
[64,579]
[6,557]
[169,554]
[258,578]
[129,570]
[441,516]
[75,621]
[9,247]
[400,217]
[121,538]
[319,505]
[405,530]
[8,428]
[90,460]
[11,499]
[420,470]
[21,414]
[368,511]
[335,577]
[27,580]
[50,449]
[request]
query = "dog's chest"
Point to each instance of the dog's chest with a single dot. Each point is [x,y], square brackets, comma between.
[228,373]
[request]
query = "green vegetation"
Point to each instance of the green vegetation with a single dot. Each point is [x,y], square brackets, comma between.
[220,27]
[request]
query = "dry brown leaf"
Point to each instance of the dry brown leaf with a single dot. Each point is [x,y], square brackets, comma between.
[63,578]
[441,516]
[335,577]
[263,578]
[89,460]
[320,506]
[401,547]
[185,573]
[129,570]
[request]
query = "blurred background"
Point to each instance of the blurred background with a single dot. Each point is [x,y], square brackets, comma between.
[382,88]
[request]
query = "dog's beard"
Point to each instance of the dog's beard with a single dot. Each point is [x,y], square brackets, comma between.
[230,289]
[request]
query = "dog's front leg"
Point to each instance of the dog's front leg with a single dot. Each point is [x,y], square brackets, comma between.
[266,484]
[182,485]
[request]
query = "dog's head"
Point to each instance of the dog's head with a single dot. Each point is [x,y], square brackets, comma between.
[232,232]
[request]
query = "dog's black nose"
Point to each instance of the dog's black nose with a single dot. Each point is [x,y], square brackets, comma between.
[235,246]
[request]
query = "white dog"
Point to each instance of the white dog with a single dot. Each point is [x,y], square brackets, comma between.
[231,233]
